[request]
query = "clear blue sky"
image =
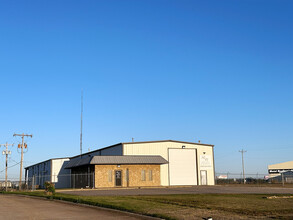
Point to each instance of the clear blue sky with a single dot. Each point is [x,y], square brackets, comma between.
[216,71]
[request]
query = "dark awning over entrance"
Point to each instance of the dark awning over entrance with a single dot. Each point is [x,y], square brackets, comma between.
[108,160]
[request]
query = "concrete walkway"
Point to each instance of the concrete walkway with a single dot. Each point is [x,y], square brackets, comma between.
[20,207]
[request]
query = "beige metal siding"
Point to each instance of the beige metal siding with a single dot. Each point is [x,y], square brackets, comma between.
[161,148]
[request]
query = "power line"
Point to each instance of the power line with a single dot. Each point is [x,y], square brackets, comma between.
[10,167]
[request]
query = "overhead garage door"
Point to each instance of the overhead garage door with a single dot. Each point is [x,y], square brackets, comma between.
[182,167]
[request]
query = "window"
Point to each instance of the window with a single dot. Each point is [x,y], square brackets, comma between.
[143,175]
[127,175]
[150,175]
[110,175]
[289,179]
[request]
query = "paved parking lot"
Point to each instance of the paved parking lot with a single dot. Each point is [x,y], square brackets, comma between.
[21,207]
[181,190]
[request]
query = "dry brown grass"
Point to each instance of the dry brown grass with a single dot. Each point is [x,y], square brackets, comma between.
[195,206]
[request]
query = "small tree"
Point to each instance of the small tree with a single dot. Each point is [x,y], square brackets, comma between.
[49,188]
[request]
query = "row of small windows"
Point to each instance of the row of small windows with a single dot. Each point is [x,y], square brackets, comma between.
[144,173]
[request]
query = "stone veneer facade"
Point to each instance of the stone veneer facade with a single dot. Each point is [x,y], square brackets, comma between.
[105,175]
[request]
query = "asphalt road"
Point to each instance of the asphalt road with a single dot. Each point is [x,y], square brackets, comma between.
[181,190]
[19,207]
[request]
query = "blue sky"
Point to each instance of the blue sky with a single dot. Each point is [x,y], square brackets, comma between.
[216,71]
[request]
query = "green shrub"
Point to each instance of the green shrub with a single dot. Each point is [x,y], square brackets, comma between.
[49,187]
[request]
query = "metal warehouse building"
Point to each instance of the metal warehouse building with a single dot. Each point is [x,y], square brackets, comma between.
[51,170]
[151,163]
[186,163]
[276,169]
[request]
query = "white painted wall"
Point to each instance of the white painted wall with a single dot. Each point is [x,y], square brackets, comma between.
[161,148]
[60,176]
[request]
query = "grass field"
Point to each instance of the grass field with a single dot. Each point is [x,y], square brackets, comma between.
[196,206]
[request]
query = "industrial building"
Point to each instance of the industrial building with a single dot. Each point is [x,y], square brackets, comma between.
[116,171]
[276,169]
[151,163]
[284,177]
[51,170]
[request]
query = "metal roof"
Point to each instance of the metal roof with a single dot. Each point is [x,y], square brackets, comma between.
[60,158]
[142,142]
[185,142]
[107,160]
[285,165]
[78,163]
[88,153]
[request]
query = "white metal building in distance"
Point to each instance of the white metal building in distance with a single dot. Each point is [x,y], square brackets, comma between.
[276,169]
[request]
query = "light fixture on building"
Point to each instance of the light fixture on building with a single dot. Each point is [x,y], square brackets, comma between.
[118,165]
[183,147]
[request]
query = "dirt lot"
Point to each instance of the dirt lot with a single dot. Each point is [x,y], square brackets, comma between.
[19,207]
[180,190]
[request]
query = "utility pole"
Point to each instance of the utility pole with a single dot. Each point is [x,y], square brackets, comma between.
[21,160]
[282,178]
[6,152]
[242,152]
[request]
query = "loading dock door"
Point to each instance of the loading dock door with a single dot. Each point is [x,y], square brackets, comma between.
[182,167]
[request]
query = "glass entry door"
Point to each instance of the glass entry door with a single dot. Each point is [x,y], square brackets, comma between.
[118,178]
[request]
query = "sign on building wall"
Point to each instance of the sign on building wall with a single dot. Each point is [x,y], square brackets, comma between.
[205,161]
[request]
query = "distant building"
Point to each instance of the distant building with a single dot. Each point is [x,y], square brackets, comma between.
[222,177]
[3,184]
[276,169]
[286,177]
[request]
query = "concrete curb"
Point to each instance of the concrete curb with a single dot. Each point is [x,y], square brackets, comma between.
[123,188]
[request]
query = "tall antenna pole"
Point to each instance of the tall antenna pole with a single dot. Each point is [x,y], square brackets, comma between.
[81,123]
[242,152]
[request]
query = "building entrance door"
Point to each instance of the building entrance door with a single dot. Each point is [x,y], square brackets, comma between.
[118,178]
[203,177]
